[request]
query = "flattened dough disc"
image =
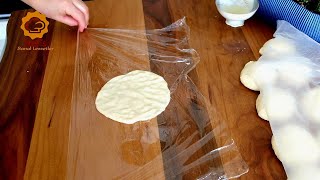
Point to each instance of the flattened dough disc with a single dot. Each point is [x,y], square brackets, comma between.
[136,96]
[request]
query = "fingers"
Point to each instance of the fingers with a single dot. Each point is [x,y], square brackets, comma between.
[68,20]
[83,8]
[75,13]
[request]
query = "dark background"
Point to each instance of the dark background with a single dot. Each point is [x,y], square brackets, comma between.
[7,6]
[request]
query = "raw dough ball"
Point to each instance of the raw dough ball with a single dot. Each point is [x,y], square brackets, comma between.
[136,96]
[280,104]
[304,172]
[262,113]
[274,147]
[246,76]
[256,74]
[294,145]
[294,71]
[278,45]
[311,105]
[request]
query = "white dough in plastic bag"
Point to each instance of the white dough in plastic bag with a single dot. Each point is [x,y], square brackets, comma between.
[256,74]
[278,46]
[288,78]
[261,108]
[296,146]
[305,172]
[311,104]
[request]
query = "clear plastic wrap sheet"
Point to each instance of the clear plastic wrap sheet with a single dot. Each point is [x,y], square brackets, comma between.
[187,141]
[289,82]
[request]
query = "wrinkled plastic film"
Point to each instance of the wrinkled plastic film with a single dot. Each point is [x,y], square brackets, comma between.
[291,99]
[188,140]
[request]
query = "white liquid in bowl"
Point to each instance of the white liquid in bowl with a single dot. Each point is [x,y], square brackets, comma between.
[235,9]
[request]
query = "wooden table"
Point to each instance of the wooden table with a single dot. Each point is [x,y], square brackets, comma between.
[36,87]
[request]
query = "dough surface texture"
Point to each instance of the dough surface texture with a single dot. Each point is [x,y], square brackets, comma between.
[294,145]
[311,105]
[262,113]
[305,172]
[256,74]
[136,96]
[294,71]
[280,105]
[279,45]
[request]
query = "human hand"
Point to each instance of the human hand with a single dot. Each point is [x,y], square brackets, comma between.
[70,12]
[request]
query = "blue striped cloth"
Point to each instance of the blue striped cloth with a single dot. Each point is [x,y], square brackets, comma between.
[288,10]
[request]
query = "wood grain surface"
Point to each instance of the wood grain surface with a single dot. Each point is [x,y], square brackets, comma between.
[49,145]
[37,90]
[21,76]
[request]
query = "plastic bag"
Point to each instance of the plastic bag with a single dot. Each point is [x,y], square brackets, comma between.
[188,140]
[289,84]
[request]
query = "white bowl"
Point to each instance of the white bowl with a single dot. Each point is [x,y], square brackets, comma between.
[237,11]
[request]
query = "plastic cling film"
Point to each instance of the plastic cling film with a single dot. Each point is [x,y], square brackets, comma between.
[289,87]
[188,140]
